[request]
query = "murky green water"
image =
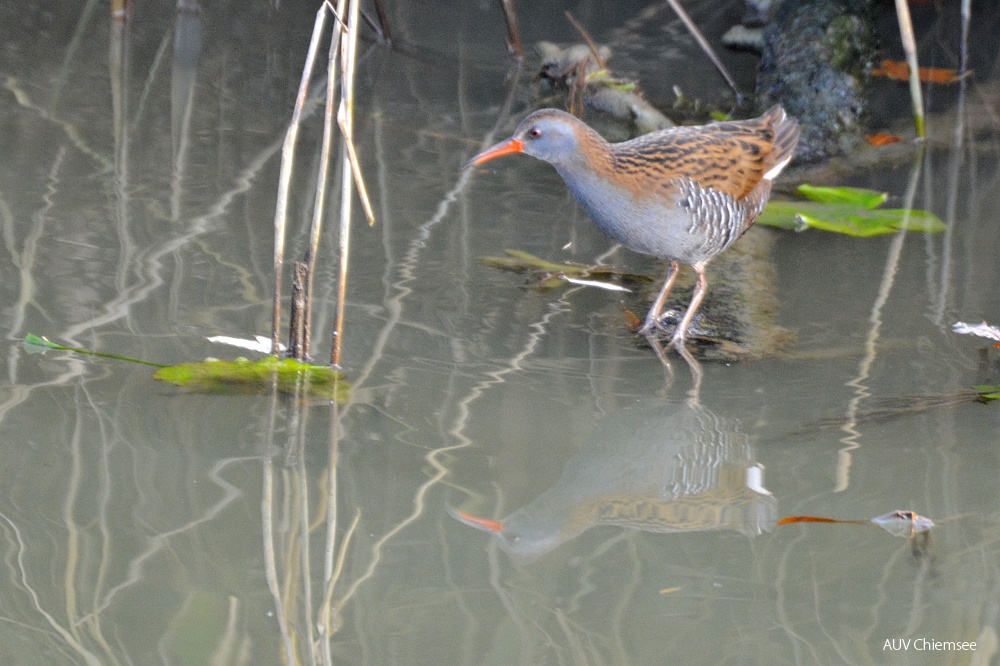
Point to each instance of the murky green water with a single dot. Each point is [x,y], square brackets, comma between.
[143,525]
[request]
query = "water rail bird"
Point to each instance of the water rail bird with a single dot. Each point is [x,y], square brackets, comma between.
[683,194]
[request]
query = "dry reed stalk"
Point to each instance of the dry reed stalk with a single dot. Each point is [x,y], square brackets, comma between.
[322,176]
[910,49]
[285,177]
[345,119]
[343,41]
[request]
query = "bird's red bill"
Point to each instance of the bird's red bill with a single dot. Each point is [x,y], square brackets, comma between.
[480,523]
[508,147]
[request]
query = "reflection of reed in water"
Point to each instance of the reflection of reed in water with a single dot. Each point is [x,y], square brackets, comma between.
[657,468]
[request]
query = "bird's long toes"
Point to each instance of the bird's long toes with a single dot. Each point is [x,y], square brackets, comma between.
[651,326]
[656,324]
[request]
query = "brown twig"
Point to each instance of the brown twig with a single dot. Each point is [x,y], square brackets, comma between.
[705,46]
[587,38]
[298,334]
[352,155]
[383,22]
[576,90]
[513,32]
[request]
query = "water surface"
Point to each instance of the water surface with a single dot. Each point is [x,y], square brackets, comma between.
[139,524]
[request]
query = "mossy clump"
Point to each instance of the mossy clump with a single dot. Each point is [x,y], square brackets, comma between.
[243,376]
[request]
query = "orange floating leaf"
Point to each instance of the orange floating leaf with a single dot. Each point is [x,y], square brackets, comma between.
[631,320]
[893,69]
[883,139]
[941,75]
[900,71]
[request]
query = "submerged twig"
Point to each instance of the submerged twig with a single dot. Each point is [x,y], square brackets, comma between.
[886,409]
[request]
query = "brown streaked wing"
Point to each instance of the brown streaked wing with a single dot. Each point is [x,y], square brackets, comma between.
[730,157]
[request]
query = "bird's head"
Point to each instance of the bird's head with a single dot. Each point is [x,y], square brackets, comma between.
[549,135]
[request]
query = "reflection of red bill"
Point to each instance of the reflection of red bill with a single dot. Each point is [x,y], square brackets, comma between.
[479,523]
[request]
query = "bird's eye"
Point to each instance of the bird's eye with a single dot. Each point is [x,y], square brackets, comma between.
[534,132]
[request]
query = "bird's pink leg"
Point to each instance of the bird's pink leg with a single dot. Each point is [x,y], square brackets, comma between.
[653,317]
[696,298]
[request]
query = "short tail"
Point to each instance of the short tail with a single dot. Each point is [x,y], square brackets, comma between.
[786,137]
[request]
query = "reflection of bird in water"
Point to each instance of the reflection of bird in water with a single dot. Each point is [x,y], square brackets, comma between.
[658,468]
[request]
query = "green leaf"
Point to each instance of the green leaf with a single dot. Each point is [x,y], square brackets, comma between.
[32,342]
[850,195]
[243,376]
[239,376]
[782,215]
[36,344]
[987,392]
[846,210]
[864,223]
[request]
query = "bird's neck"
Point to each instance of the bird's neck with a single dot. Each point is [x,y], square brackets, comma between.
[586,167]
[589,176]
[592,154]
